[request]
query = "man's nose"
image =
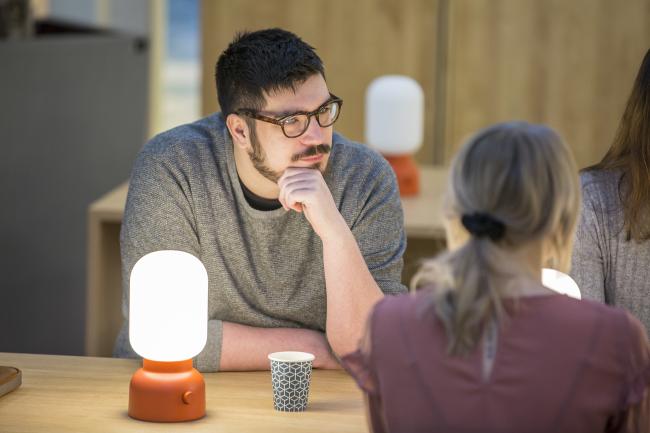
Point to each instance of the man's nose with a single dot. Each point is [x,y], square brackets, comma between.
[314,134]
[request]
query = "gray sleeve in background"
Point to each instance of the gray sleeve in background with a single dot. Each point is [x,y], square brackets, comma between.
[159,216]
[379,230]
[587,261]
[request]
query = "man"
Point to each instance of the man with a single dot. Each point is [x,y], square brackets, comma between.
[300,230]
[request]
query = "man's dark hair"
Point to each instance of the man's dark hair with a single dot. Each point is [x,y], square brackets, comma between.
[262,61]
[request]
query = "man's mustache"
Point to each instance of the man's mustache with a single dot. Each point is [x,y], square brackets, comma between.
[312,151]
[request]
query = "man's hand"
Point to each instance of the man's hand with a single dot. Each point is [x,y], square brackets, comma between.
[305,190]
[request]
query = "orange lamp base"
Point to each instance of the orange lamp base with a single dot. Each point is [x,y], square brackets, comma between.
[407,172]
[167,392]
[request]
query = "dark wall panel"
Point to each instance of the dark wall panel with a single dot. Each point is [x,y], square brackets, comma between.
[72,118]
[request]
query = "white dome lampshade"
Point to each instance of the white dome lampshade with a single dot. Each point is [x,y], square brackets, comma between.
[561,283]
[168,308]
[395,125]
[168,322]
[394,114]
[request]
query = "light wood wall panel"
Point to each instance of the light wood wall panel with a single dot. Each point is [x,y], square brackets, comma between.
[567,63]
[358,41]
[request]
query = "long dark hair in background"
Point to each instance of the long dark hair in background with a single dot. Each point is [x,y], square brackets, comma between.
[630,152]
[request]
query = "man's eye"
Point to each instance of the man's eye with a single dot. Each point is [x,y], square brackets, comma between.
[290,121]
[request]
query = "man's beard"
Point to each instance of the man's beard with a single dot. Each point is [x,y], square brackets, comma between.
[258,158]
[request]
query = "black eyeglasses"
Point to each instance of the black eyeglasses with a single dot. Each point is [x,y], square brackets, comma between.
[295,124]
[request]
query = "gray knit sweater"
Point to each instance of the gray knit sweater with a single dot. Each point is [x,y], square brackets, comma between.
[265,268]
[606,266]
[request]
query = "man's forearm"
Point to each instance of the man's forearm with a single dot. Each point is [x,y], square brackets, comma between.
[351,291]
[246,347]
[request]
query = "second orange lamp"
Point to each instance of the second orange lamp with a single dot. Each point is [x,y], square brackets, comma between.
[168,326]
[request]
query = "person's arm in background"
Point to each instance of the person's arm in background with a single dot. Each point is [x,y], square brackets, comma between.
[246,348]
[638,417]
[360,365]
[588,262]
[361,263]
[637,399]
[159,216]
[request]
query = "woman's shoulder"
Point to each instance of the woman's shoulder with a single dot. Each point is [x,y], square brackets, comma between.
[600,177]
[403,302]
[578,309]
[586,316]
[398,314]
[602,184]
[601,196]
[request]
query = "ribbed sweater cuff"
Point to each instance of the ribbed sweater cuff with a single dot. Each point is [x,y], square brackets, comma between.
[208,360]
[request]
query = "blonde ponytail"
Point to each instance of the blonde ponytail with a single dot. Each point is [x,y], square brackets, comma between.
[510,184]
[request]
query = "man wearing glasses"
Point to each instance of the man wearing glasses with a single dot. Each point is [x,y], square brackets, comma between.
[300,230]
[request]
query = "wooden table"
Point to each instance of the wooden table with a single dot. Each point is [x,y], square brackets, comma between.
[422,217]
[84,394]
[422,221]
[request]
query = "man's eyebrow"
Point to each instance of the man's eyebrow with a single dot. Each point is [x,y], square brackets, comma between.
[285,113]
[290,112]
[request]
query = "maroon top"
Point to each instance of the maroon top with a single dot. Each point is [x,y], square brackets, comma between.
[561,365]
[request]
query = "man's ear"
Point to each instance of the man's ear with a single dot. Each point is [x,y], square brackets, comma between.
[238,130]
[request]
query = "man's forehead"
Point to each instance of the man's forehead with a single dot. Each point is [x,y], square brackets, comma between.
[305,96]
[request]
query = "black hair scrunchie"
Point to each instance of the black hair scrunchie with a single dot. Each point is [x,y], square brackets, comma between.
[482,225]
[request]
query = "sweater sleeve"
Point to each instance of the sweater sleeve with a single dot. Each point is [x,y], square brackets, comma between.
[379,229]
[159,215]
[587,262]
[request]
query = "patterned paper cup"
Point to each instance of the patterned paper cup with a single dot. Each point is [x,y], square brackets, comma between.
[290,374]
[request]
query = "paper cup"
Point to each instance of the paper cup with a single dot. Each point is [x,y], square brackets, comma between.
[290,375]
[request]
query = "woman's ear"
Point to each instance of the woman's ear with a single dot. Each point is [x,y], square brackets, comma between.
[556,253]
[238,130]
[550,257]
[457,236]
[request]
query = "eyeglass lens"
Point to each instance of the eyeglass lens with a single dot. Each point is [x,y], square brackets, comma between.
[295,126]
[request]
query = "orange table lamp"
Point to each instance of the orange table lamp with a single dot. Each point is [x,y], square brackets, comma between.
[395,125]
[168,311]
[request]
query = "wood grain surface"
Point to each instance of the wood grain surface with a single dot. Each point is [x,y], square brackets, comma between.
[84,394]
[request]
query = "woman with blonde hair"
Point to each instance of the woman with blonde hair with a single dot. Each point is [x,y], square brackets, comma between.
[611,258]
[483,346]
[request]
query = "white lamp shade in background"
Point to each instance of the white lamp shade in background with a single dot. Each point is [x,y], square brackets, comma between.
[168,309]
[394,115]
[560,282]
